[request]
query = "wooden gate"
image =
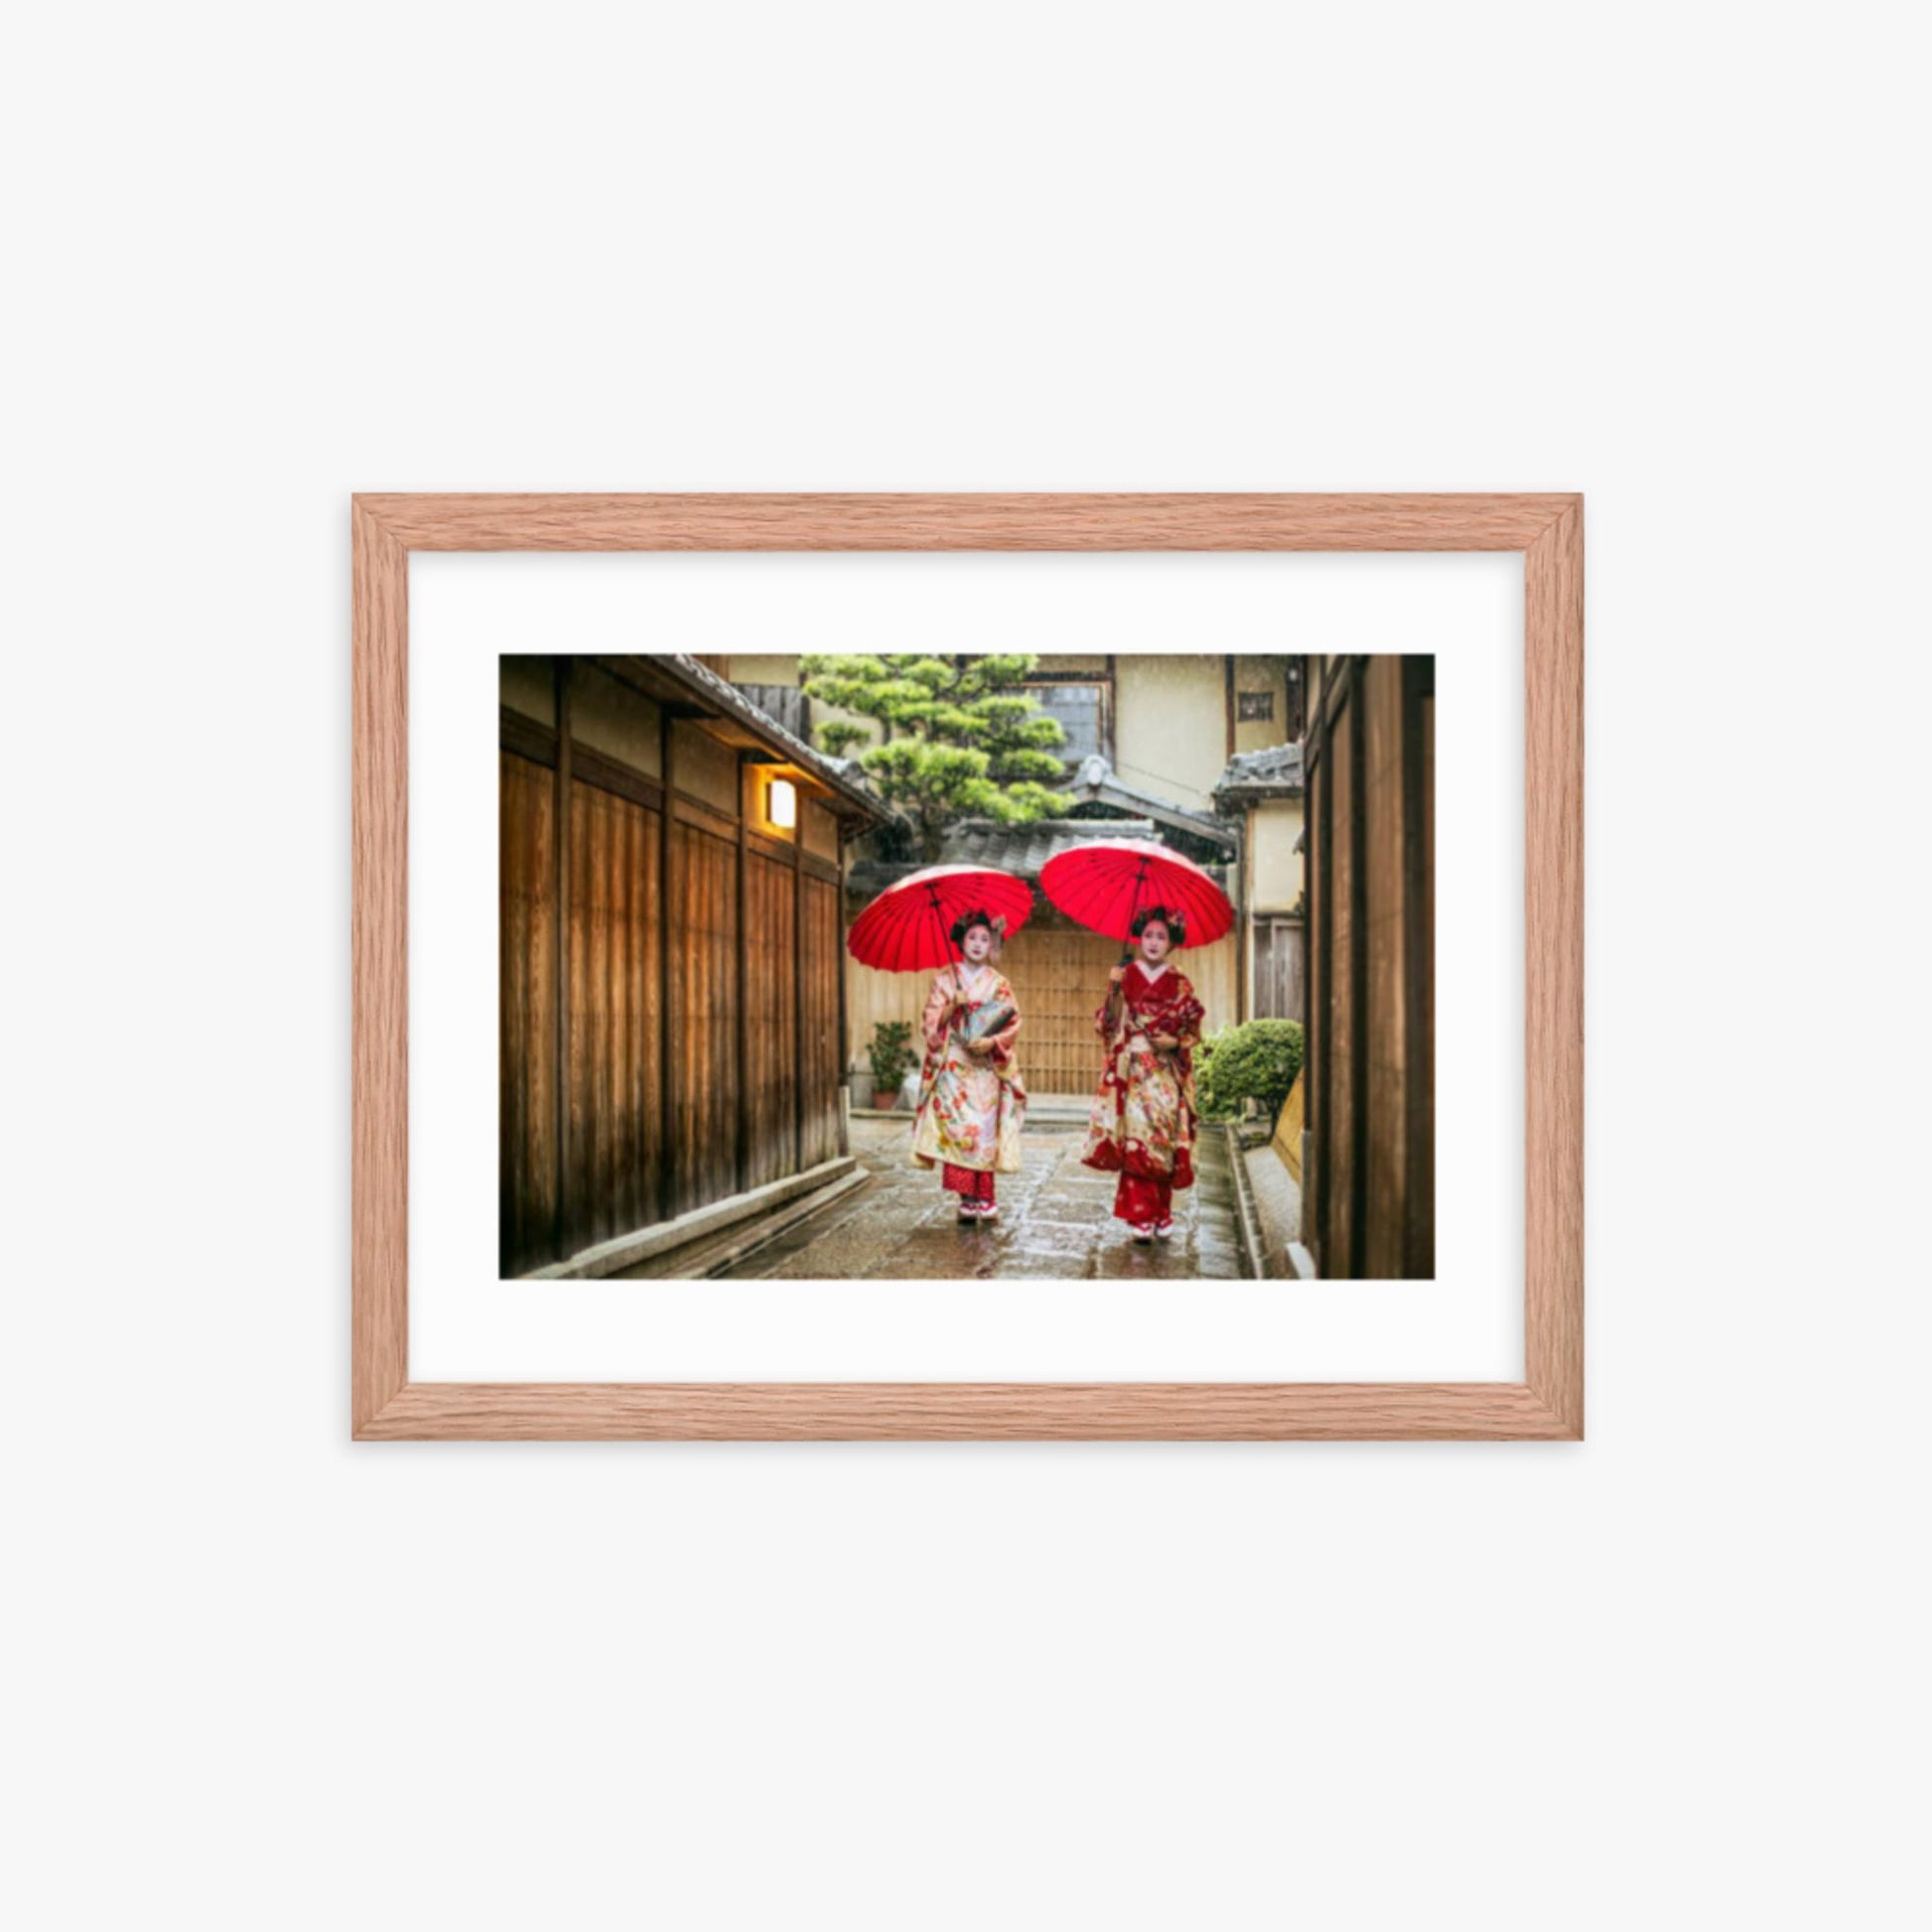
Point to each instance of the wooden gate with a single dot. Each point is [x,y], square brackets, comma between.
[1060,977]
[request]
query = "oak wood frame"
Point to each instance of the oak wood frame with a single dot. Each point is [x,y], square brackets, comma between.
[1547,1406]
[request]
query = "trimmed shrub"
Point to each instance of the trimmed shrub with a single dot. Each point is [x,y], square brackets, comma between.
[1256,1060]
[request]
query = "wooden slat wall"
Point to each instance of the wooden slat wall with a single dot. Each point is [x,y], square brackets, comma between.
[704,936]
[1387,1042]
[527,1047]
[641,949]
[1061,978]
[1371,1043]
[823,1123]
[615,1104]
[1340,1170]
[1317,1074]
[770,1077]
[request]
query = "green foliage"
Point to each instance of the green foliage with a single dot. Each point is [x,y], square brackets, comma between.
[1257,1060]
[961,742]
[890,1056]
[839,735]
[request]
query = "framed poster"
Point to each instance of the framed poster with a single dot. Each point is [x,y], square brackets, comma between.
[984,936]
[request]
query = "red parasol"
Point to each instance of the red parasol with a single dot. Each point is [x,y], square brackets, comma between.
[1104,884]
[907,928]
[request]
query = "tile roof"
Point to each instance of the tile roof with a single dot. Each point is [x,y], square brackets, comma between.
[844,776]
[1275,770]
[1018,848]
[1096,779]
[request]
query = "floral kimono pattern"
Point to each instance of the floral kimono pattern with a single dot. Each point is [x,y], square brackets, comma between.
[971,1109]
[1144,1121]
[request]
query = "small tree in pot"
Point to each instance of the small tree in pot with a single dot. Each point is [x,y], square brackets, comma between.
[892,1055]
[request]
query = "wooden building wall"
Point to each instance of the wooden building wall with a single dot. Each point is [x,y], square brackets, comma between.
[649,1063]
[527,947]
[771,1055]
[1369,755]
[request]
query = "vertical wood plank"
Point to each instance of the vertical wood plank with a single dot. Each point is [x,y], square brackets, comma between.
[580,1201]
[379,1026]
[561,672]
[604,1017]
[777,976]
[741,995]
[514,1012]
[1386,1043]
[799,970]
[670,1204]
[624,1015]
[652,944]
[1417,1232]
[1554,990]
[843,1022]
[1316,869]
[1356,964]
[527,1212]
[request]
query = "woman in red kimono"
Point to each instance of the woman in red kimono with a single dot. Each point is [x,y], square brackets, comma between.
[1142,1124]
[972,1100]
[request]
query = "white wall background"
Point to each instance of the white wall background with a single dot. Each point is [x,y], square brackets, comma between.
[1673,1676]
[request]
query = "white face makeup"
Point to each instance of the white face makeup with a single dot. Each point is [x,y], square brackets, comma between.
[1153,942]
[977,944]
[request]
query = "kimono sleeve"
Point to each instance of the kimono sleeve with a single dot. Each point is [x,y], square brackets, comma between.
[1002,1042]
[1188,1016]
[932,1023]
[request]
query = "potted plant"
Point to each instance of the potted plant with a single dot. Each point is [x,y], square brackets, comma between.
[891,1055]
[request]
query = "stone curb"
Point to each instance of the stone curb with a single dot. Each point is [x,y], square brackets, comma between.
[1246,1220]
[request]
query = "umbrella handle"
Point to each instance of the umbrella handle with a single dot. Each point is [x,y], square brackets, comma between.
[1114,994]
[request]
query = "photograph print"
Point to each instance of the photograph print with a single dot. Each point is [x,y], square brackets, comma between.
[908,967]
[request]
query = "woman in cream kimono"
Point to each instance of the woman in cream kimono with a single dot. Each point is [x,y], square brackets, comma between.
[972,1100]
[1144,1121]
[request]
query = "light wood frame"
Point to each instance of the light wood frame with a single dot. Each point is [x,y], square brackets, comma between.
[1547,1406]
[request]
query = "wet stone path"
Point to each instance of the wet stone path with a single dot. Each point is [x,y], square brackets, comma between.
[1055,1221]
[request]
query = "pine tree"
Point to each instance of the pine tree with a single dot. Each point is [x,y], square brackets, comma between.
[961,740]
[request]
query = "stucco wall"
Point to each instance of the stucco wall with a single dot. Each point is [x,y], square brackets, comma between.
[821,829]
[706,768]
[746,670]
[529,685]
[614,719]
[1276,880]
[1268,674]
[1171,725]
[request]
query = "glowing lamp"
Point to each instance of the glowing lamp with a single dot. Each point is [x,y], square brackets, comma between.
[781,802]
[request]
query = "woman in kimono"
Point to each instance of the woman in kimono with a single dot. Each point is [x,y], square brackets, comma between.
[1142,1124]
[972,1100]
